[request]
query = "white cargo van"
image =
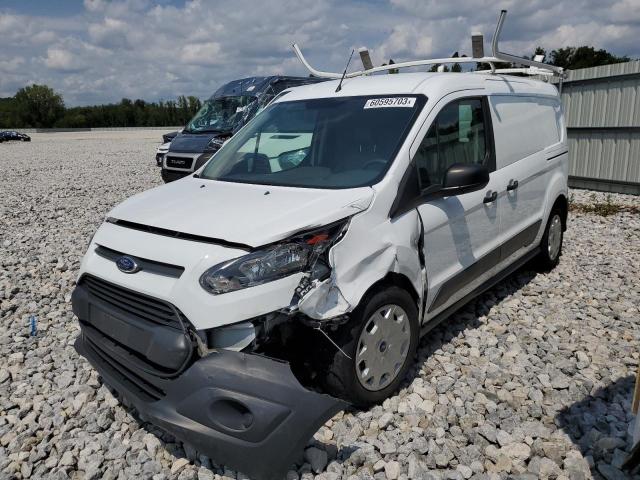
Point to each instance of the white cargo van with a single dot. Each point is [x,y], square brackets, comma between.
[240,307]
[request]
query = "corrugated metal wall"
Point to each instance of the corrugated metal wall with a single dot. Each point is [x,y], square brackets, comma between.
[602,110]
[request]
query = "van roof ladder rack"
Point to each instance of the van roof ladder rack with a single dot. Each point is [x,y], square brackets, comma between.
[534,67]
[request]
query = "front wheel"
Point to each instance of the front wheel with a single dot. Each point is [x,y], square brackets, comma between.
[551,243]
[377,345]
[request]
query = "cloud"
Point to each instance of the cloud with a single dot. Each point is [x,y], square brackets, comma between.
[95,5]
[12,65]
[9,23]
[109,49]
[208,53]
[62,60]
[111,32]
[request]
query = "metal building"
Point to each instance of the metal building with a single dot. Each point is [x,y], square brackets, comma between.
[602,110]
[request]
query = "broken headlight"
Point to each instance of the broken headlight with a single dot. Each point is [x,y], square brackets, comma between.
[296,254]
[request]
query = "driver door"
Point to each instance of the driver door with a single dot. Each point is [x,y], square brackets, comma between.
[461,232]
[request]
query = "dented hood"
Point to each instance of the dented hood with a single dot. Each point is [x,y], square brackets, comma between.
[242,213]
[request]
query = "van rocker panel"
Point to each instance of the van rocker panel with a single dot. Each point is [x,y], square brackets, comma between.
[245,411]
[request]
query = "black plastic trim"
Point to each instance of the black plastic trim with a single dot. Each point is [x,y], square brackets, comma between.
[558,155]
[484,264]
[145,307]
[246,412]
[151,266]
[447,312]
[155,347]
[174,234]
[95,341]
[521,240]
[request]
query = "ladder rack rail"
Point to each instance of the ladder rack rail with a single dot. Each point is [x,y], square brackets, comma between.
[535,68]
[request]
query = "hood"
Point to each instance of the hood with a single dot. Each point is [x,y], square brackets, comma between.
[191,142]
[253,215]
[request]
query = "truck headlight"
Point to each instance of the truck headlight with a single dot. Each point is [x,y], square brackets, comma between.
[296,254]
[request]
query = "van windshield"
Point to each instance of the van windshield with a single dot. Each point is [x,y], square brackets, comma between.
[320,143]
[220,114]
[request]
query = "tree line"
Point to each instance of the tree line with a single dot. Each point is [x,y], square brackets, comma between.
[38,106]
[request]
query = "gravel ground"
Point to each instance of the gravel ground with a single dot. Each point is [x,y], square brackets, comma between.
[532,380]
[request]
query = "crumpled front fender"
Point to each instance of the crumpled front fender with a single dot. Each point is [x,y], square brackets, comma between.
[371,249]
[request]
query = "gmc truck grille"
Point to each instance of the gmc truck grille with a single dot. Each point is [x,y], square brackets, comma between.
[179,162]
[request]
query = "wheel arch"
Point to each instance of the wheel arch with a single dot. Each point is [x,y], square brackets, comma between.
[562,203]
[393,279]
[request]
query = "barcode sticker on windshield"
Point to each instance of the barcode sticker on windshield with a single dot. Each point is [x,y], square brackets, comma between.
[390,102]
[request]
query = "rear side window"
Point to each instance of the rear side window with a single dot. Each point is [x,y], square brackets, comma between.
[458,135]
[524,126]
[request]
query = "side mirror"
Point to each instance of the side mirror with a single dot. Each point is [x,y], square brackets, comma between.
[464,178]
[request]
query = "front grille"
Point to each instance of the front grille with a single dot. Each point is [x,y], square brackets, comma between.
[179,162]
[118,370]
[151,266]
[147,308]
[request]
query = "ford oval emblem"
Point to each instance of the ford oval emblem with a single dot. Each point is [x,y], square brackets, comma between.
[127,265]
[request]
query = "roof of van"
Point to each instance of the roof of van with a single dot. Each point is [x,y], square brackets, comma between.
[255,85]
[433,85]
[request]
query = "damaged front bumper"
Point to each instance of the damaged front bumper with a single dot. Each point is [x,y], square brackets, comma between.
[245,411]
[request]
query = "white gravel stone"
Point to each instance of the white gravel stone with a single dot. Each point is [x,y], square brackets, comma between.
[392,470]
[178,465]
[466,472]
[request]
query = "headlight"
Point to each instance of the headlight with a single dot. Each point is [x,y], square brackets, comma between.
[216,142]
[280,260]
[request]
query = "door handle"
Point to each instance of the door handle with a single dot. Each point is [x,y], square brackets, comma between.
[513,184]
[490,197]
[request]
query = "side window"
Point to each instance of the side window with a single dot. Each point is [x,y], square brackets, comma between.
[458,135]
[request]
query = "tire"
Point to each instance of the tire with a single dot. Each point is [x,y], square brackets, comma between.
[342,377]
[551,243]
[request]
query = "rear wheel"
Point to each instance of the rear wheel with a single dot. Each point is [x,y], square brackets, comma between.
[378,344]
[551,243]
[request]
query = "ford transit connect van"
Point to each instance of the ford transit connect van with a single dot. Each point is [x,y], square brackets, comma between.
[241,307]
[228,110]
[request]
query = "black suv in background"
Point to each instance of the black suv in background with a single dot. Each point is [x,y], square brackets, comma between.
[228,110]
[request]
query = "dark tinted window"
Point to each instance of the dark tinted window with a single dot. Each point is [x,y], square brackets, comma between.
[456,136]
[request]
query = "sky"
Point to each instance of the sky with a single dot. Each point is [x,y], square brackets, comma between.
[100,51]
